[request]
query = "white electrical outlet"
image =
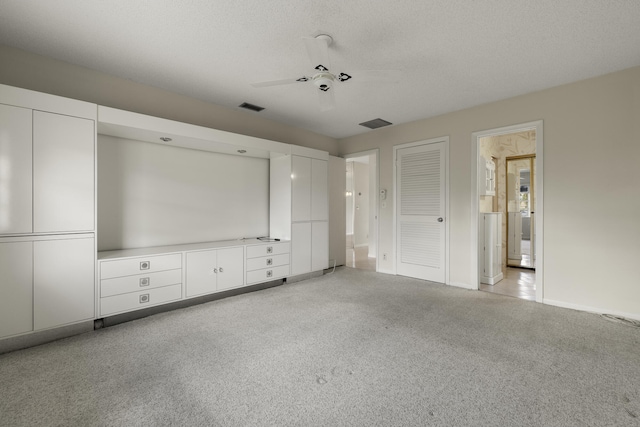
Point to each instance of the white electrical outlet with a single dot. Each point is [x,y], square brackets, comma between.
[384,257]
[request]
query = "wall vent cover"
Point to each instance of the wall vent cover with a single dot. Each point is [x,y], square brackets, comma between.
[251,107]
[375,123]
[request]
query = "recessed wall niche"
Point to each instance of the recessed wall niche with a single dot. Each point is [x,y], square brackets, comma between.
[154,195]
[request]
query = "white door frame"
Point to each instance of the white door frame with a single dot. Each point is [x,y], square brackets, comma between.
[445,141]
[375,151]
[539,208]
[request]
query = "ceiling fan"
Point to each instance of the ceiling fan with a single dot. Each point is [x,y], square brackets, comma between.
[322,78]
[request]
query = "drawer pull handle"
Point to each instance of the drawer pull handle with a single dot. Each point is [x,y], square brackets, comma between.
[269,249]
[269,261]
[145,265]
[145,281]
[269,273]
[144,298]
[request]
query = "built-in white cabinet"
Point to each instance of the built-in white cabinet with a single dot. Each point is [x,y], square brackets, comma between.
[301,245]
[514,239]
[16,289]
[266,262]
[486,177]
[214,270]
[49,172]
[63,173]
[299,183]
[491,253]
[47,217]
[16,152]
[63,281]
[46,281]
[136,282]
[132,279]
[319,245]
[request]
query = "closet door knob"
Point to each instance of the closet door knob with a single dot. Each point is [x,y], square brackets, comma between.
[440,219]
[220,269]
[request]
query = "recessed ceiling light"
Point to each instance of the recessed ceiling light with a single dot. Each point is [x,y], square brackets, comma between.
[375,123]
[165,139]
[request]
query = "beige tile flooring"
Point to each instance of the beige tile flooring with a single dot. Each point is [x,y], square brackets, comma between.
[525,250]
[359,258]
[517,282]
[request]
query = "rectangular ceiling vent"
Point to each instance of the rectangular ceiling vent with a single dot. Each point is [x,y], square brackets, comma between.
[251,107]
[375,123]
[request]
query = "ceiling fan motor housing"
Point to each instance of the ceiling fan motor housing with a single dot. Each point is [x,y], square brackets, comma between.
[323,81]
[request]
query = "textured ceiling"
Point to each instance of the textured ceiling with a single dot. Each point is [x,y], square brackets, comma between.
[452,54]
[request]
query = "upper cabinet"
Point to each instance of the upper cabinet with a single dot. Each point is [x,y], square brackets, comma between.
[16,152]
[486,177]
[47,174]
[319,190]
[63,173]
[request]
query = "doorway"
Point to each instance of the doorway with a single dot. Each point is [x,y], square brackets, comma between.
[507,187]
[362,210]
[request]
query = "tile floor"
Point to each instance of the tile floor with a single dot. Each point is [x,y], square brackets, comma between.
[359,258]
[517,282]
[526,261]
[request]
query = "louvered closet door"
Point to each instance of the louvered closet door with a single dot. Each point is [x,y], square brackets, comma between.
[421,212]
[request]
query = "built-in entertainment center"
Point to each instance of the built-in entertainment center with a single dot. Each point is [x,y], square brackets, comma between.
[105,212]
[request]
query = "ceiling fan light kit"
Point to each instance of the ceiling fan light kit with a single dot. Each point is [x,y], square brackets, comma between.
[323,79]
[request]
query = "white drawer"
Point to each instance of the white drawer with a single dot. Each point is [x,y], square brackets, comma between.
[139,282]
[272,248]
[139,265]
[267,274]
[267,262]
[137,300]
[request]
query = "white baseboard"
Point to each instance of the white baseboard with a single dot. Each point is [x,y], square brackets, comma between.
[634,316]
[391,272]
[462,285]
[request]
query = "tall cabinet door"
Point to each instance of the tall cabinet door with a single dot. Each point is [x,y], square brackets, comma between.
[300,188]
[16,290]
[63,173]
[319,192]
[15,170]
[300,248]
[230,268]
[63,281]
[319,245]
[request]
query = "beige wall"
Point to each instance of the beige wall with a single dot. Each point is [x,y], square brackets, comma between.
[29,71]
[591,186]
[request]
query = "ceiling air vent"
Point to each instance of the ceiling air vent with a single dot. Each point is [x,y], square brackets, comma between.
[375,123]
[251,107]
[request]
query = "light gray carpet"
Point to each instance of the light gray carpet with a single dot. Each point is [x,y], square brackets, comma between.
[353,348]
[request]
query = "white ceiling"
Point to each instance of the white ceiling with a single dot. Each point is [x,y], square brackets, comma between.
[453,54]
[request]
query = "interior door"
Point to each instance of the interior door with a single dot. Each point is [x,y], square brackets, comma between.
[421,211]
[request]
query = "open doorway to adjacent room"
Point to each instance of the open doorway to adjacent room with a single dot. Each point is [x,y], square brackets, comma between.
[507,201]
[362,210]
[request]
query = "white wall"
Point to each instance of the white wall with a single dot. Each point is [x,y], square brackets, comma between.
[153,195]
[591,158]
